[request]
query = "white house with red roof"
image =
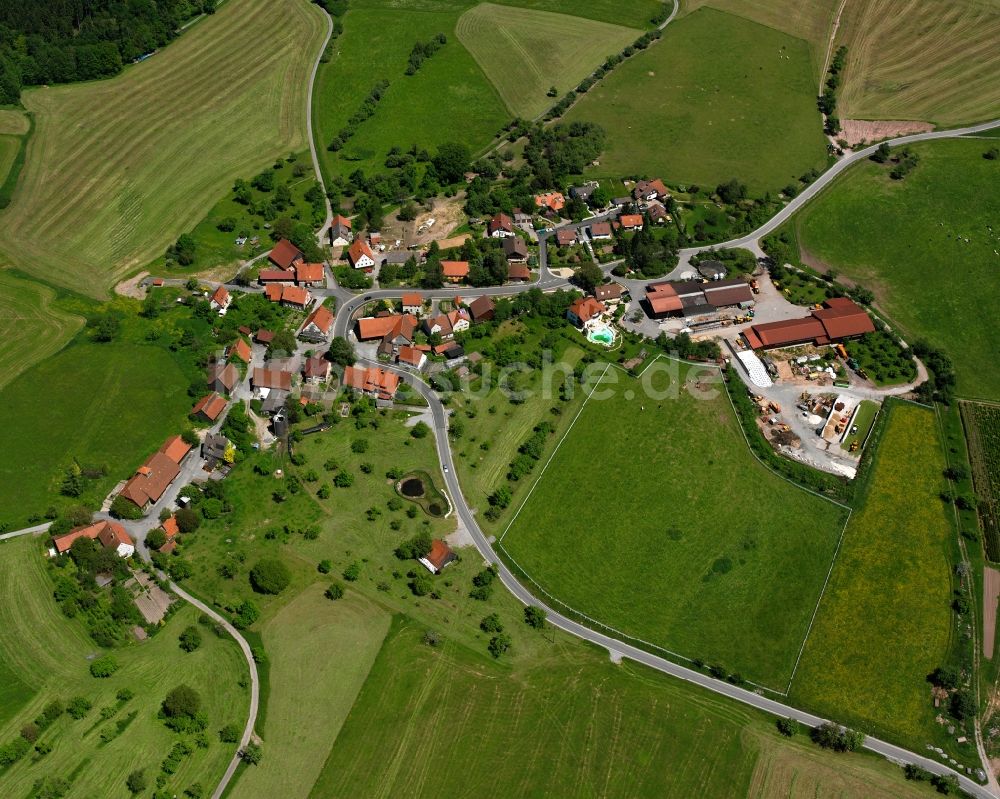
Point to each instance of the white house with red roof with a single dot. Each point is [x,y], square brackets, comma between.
[360,255]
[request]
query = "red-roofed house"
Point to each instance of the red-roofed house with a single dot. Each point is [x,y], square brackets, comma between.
[158,471]
[175,448]
[111,535]
[839,319]
[650,190]
[340,231]
[600,231]
[455,271]
[482,309]
[239,349]
[500,227]
[375,382]
[583,310]
[396,330]
[221,299]
[411,357]
[447,324]
[413,303]
[209,407]
[273,292]
[284,254]
[269,276]
[360,255]
[318,325]
[518,272]
[565,236]
[630,221]
[309,274]
[439,556]
[295,297]
[271,379]
[316,370]
[552,200]
[223,377]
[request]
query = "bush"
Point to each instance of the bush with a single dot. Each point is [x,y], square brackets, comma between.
[534,616]
[78,707]
[229,734]
[104,667]
[491,624]
[421,585]
[420,430]
[837,738]
[352,572]
[187,520]
[251,754]
[270,576]
[182,702]
[787,727]
[136,782]
[499,644]
[334,591]
[190,639]
[246,614]
[324,567]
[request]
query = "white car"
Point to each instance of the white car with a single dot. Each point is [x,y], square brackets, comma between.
[446,469]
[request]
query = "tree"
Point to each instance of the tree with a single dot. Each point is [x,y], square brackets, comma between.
[421,585]
[229,734]
[156,538]
[103,667]
[588,277]
[731,192]
[181,702]
[881,154]
[499,644]
[420,430]
[341,352]
[334,591]
[190,639]
[343,479]
[491,624]
[962,705]
[251,753]
[452,162]
[534,616]
[121,508]
[787,727]
[246,614]
[270,576]
[72,484]
[136,782]
[184,249]
[187,520]
[106,327]
[992,154]
[78,707]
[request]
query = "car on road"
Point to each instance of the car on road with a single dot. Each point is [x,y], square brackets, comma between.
[446,468]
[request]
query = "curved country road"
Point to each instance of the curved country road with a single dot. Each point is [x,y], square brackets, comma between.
[440,417]
[309,124]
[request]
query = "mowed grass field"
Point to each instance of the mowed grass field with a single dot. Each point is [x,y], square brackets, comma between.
[718,97]
[9,145]
[105,404]
[654,518]
[525,52]
[13,123]
[152,150]
[319,655]
[885,621]
[448,99]
[31,326]
[924,61]
[46,656]
[906,240]
[449,722]
[633,14]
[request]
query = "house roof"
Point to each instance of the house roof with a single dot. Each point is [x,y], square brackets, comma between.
[410,300]
[240,349]
[645,187]
[273,292]
[840,318]
[372,380]
[411,355]
[609,291]
[359,247]
[518,272]
[272,378]
[515,246]
[455,269]
[565,236]
[481,306]
[175,448]
[440,555]
[102,531]
[151,479]
[221,296]
[600,229]
[630,220]
[788,331]
[275,276]
[843,318]
[308,273]
[295,295]
[500,222]
[264,336]
[391,325]
[322,318]
[111,535]
[586,308]
[727,292]
[664,302]
[553,200]
[226,375]
[210,406]
[340,222]
[316,367]
[170,527]
[284,254]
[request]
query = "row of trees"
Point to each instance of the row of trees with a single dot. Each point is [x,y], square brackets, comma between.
[827,101]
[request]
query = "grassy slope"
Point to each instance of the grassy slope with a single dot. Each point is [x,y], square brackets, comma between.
[901,238]
[687,110]
[49,653]
[931,61]
[693,495]
[448,99]
[31,327]
[153,149]
[312,686]
[102,403]
[525,52]
[445,722]
[884,623]
[9,145]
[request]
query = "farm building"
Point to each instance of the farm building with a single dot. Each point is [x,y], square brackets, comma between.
[209,407]
[309,274]
[840,318]
[223,377]
[156,473]
[689,299]
[372,381]
[395,330]
[284,255]
[240,350]
[110,535]
[440,556]
[318,325]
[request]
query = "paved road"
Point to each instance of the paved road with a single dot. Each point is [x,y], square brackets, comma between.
[309,127]
[38,528]
[440,419]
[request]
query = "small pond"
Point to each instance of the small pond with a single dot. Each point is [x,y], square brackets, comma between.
[412,487]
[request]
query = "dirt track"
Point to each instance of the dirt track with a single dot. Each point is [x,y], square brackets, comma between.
[991,590]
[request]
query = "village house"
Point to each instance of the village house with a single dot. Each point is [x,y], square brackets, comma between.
[584,192]
[583,310]
[316,370]
[318,325]
[565,236]
[360,255]
[263,336]
[412,304]
[411,356]
[482,309]
[290,296]
[621,202]
[395,258]
[372,381]
[268,277]
[521,218]
[157,472]
[439,556]
[600,231]
[609,293]
[310,274]
[657,213]
[284,254]
[340,231]
[223,377]
[515,249]
[448,324]
[647,190]
[455,271]
[221,300]
[278,379]
[630,221]
[209,407]
[553,201]
[500,226]
[239,349]
[518,273]
[110,535]
[394,330]
[217,448]
[170,530]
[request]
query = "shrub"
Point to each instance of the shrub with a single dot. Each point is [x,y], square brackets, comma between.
[837,738]
[414,548]
[324,567]
[421,585]
[334,591]
[270,576]
[420,430]
[136,782]
[499,644]
[343,480]
[359,445]
[229,734]
[190,639]
[251,754]
[787,727]
[246,614]
[78,707]
[104,667]
[491,624]
[534,616]
[352,572]
[187,520]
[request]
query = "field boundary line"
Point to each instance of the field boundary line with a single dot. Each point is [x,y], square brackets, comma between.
[549,460]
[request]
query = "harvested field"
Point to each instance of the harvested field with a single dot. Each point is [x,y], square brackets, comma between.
[991,592]
[864,131]
[13,123]
[152,150]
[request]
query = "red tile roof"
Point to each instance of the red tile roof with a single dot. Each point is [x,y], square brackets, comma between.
[586,308]
[284,254]
[358,248]
[273,292]
[221,296]
[272,378]
[600,229]
[170,527]
[322,318]
[226,376]
[411,355]
[629,221]
[552,199]
[372,380]
[455,270]
[209,406]
[393,325]
[295,295]
[106,532]
[440,555]
[151,479]
[412,300]
[316,367]
[239,349]
[500,222]
[275,276]
[175,448]
[565,236]
[309,273]
[518,272]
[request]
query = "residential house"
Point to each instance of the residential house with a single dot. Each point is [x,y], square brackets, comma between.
[209,407]
[221,300]
[411,356]
[630,221]
[450,350]
[263,336]
[223,377]
[372,381]
[657,213]
[273,292]
[455,271]
[215,449]
[239,349]
[600,231]
[111,535]
[566,236]
[647,190]
[318,325]
[609,293]
[521,218]
[448,324]
[310,274]
[500,226]
[171,530]
[482,309]
[395,330]
[263,377]
[439,556]
[316,370]
[584,192]
[284,254]
[515,249]
[295,297]
[518,273]
[360,255]
[583,310]
[553,201]
[157,472]
[413,304]
[621,202]
[340,231]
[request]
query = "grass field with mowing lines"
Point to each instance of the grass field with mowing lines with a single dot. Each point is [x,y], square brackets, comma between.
[682,111]
[524,52]
[319,655]
[450,722]
[924,61]
[906,241]
[31,326]
[9,145]
[694,545]
[13,122]
[885,622]
[102,403]
[153,149]
[49,654]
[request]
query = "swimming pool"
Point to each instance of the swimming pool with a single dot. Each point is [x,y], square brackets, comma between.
[601,334]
